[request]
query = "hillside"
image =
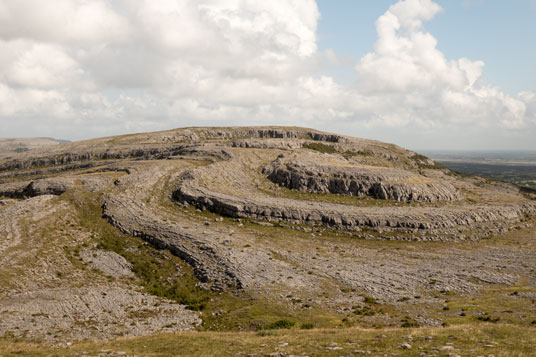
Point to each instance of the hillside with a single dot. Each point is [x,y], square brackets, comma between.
[10,146]
[255,228]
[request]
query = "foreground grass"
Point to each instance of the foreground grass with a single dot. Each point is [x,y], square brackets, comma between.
[486,339]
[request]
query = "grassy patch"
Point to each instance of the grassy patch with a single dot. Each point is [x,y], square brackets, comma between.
[323,148]
[496,304]
[329,149]
[350,154]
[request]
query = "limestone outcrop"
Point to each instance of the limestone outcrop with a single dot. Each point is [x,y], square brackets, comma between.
[360,180]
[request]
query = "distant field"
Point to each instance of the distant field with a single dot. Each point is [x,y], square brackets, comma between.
[522,175]
[517,167]
[484,157]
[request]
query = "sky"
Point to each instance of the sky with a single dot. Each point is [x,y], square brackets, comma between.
[423,74]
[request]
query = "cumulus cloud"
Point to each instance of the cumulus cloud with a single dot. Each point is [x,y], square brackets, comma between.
[76,22]
[143,65]
[77,68]
[408,71]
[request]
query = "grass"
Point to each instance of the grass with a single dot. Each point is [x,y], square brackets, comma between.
[323,148]
[494,304]
[329,149]
[348,154]
[485,339]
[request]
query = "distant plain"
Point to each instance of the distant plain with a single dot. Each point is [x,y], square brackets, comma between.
[517,167]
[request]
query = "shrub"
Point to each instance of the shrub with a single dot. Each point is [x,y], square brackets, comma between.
[364,311]
[280,324]
[307,326]
[369,299]
[488,319]
[408,322]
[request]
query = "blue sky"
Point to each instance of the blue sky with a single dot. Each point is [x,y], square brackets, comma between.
[423,74]
[500,33]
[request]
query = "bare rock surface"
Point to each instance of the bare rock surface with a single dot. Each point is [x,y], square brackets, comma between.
[50,186]
[88,313]
[109,263]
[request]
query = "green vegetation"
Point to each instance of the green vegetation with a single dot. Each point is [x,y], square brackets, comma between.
[349,154]
[324,148]
[310,326]
[419,157]
[507,304]
[329,149]
[369,299]
[364,311]
[156,272]
[279,324]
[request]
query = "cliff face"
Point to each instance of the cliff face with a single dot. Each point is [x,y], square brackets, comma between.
[359,180]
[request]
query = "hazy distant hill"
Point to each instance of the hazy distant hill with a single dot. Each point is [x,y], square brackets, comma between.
[14,145]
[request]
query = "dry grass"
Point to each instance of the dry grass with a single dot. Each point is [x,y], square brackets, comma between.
[466,340]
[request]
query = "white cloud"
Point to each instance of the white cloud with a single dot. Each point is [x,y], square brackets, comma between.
[77,22]
[529,98]
[409,72]
[41,66]
[91,68]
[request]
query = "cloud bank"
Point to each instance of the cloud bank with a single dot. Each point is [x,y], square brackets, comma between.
[78,69]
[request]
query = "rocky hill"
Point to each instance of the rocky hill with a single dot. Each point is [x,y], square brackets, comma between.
[205,227]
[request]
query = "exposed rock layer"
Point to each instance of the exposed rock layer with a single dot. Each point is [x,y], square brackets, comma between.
[358,180]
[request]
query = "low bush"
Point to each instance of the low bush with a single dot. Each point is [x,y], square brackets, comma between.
[280,324]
